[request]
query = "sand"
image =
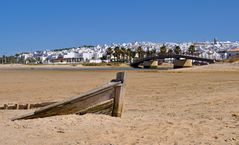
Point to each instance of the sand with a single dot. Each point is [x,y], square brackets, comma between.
[190,106]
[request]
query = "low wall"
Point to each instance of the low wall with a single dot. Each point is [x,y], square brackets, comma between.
[150,64]
[182,63]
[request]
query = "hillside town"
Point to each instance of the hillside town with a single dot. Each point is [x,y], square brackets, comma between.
[126,52]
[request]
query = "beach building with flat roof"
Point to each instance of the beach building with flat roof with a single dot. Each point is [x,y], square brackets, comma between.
[233,52]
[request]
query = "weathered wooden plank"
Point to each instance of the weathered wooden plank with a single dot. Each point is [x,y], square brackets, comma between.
[14,106]
[39,105]
[106,99]
[11,106]
[74,107]
[98,108]
[23,106]
[107,111]
[119,95]
[97,93]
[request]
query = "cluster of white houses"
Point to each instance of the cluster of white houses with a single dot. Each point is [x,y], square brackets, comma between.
[72,55]
[216,50]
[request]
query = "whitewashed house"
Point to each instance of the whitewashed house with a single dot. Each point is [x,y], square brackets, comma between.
[72,57]
[86,56]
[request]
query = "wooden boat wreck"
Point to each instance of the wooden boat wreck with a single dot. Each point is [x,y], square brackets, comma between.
[107,99]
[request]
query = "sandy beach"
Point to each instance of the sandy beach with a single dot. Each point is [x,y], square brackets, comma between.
[178,107]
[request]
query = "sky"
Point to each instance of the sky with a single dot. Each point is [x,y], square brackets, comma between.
[29,25]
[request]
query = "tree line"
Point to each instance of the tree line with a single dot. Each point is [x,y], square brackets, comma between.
[117,54]
[8,59]
[121,54]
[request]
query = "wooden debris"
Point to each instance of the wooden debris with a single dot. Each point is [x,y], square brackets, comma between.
[107,99]
[12,106]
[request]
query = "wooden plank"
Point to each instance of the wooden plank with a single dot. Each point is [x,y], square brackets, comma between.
[98,108]
[119,96]
[83,97]
[22,106]
[39,105]
[11,106]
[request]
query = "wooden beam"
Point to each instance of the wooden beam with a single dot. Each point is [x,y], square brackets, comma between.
[105,107]
[13,106]
[119,95]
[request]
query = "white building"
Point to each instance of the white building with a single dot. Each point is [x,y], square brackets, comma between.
[86,56]
[233,52]
[72,55]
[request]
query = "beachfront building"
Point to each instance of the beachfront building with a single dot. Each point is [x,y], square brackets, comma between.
[233,52]
[72,57]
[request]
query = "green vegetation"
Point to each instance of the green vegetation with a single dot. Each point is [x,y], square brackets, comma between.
[8,59]
[191,49]
[150,52]
[120,54]
[177,50]
[140,52]
[109,52]
[61,49]
[102,64]
[88,46]
[163,49]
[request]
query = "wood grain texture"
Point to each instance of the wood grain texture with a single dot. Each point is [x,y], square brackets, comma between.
[119,95]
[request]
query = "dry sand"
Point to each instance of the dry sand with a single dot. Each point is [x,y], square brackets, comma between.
[190,106]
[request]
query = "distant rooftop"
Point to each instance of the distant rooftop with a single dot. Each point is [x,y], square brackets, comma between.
[234,50]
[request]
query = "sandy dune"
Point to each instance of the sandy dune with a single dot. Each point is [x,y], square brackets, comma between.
[190,106]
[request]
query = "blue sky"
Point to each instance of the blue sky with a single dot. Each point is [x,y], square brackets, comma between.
[28,25]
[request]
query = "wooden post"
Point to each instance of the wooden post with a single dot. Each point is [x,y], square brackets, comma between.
[5,106]
[119,95]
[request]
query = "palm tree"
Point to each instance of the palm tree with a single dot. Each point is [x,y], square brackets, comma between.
[140,52]
[129,54]
[109,52]
[4,59]
[117,53]
[163,49]
[191,49]
[148,52]
[123,53]
[153,51]
[177,50]
[133,54]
